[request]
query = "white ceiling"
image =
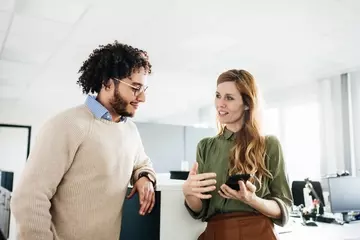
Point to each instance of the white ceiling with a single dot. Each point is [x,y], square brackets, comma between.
[282,42]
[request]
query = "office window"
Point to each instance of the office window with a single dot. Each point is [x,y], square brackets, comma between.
[302,141]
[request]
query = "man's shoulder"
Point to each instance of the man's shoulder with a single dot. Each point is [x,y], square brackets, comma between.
[70,119]
[130,123]
[132,128]
[74,113]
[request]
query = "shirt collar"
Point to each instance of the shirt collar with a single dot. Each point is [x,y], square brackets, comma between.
[98,109]
[227,134]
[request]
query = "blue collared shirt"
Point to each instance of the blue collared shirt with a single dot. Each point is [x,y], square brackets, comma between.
[98,109]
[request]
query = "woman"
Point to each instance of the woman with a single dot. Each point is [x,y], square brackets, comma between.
[248,213]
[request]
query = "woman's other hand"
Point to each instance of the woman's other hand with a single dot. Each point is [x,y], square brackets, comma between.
[199,185]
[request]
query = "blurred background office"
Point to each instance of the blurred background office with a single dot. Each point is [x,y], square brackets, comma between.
[304,54]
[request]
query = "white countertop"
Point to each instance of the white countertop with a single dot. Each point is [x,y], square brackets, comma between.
[165,183]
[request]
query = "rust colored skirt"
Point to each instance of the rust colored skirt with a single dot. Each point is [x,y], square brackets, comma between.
[239,226]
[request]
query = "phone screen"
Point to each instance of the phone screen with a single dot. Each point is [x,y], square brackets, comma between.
[233,180]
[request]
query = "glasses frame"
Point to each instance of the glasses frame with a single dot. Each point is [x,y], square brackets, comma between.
[137,90]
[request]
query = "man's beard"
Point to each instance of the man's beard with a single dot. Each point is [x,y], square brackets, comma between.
[119,105]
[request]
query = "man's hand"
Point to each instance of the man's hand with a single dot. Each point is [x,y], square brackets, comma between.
[145,189]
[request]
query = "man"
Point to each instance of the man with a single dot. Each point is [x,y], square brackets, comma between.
[77,174]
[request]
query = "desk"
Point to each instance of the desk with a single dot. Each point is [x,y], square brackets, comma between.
[326,231]
[170,220]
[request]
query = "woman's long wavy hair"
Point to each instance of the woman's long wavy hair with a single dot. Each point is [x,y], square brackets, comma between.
[248,154]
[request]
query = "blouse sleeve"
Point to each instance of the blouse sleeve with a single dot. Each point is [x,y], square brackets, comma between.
[279,185]
[205,202]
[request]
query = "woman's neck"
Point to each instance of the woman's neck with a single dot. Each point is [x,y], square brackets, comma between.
[236,126]
[233,127]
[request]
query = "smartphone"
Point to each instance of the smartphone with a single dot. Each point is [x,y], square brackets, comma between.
[233,180]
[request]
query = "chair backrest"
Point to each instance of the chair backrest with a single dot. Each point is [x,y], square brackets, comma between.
[298,194]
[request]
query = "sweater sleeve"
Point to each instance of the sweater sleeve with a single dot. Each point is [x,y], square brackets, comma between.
[279,185]
[142,161]
[50,158]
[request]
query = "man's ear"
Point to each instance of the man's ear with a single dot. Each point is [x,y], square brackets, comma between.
[108,85]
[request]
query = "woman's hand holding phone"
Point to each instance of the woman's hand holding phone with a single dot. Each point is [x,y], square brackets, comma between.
[244,191]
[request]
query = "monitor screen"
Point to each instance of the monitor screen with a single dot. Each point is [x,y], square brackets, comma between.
[344,194]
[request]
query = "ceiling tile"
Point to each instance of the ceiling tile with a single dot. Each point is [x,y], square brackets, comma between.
[5,81]
[2,36]
[12,92]
[33,50]
[24,56]
[39,28]
[33,40]
[62,11]
[4,20]
[17,71]
[7,5]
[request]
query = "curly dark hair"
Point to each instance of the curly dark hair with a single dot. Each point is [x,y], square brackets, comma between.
[111,61]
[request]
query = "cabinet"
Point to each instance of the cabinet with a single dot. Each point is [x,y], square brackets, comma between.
[169,219]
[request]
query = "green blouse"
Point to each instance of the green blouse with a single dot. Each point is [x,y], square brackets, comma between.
[213,156]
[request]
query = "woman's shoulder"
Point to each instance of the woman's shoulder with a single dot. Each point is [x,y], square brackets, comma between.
[272,139]
[204,142]
[274,153]
[272,142]
[208,141]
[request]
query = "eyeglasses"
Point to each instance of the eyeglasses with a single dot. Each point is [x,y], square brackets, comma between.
[136,89]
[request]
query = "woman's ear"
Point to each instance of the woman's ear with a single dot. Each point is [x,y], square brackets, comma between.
[246,108]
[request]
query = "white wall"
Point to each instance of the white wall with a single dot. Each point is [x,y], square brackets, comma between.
[299,94]
[29,115]
[355,101]
[331,129]
[13,151]
[204,116]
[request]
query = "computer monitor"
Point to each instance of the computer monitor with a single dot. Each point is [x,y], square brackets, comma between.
[297,190]
[344,194]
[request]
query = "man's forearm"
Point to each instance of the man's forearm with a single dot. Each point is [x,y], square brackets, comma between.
[269,208]
[194,203]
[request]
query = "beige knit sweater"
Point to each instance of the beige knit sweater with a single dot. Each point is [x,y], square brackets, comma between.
[75,180]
